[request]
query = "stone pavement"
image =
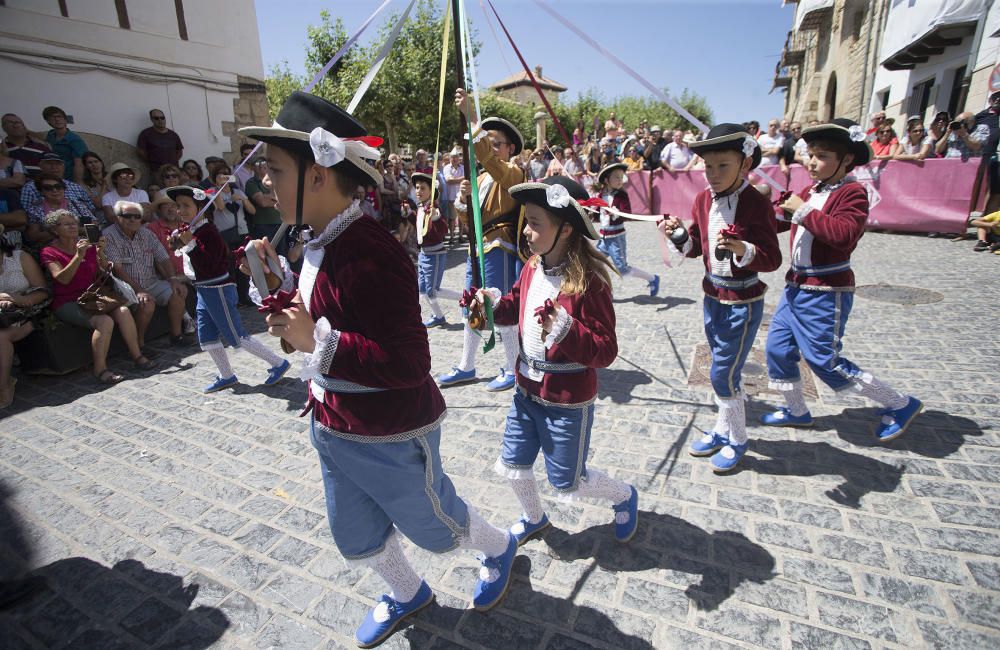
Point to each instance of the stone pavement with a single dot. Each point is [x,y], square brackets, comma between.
[163,517]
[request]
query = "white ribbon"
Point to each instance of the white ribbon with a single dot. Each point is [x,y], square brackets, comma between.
[856,133]
[328,149]
[749,144]
[379,60]
[557,196]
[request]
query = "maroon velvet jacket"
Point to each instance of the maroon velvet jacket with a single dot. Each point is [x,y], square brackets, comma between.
[590,341]
[436,233]
[755,220]
[835,231]
[210,255]
[366,287]
[620,202]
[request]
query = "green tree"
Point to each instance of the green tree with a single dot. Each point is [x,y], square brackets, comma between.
[280,83]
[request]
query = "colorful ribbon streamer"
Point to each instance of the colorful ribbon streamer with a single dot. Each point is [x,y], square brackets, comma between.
[422,228]
[379,60]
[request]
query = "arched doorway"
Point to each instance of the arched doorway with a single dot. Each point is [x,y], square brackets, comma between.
[830,104]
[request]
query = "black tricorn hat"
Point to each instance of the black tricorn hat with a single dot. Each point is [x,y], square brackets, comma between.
[421,176]
[729,137]
[561,196]
[196,193]
[500,124]
[841,129]
[610,168]
[314,129]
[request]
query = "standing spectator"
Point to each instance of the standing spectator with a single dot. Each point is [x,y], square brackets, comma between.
[158,145]
[877,120]
[538,166]
[593,159]
[95,178]
[651,153]
[611,127]
[885,143]
[51,163]
[170,176]
[21,285]
[790,148]
[421,164]
[677,156]
[21,146]
[578,136]
[454,174]
[64,142]
[231,207]
[12,175]
[266,219]
[244,173]
[770,144]
[123,180]
[73,262]
[572,163]
[141,261]
[917,144]
[556,164]
[193,171]
[964,141]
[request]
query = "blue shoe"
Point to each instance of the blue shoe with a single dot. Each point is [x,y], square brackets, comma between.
[784,418]
[494,578]
[220,383]
[436,321]
[894,422]
[275,374]
[728,457]
[708,444]
[654,286]
[383,619]
[524,530]
[503,381]
[456,376]
[625,527]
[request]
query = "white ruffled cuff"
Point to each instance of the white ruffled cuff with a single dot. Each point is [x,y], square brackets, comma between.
[561,328]
[479,134]
[319,362]
[514,473]
[683,250]
[494,294]
[287,283]
[186,248]
[460,204]
[748,256]
[800,214]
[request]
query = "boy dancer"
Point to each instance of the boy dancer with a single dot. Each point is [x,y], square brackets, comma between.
[431,259]
[734,231]
[826,222]
[496,141]
[376,412]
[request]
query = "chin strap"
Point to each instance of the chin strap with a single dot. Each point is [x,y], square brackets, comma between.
[555,242]
[840,164]
[300,193]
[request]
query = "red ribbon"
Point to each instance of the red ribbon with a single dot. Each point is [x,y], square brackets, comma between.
[732,232]
[277,303]
[370,140]
[468,297]
[548,307]
[784,196]
[241,252]
[595,202]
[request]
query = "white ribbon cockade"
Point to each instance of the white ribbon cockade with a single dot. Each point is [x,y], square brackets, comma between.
[198,194]
[749,144]
[557,196]
[856,133]
[328,149]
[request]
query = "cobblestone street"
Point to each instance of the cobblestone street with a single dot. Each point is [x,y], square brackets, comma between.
[163,517]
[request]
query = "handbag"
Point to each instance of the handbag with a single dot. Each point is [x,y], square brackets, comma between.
[102,296]
[15,315]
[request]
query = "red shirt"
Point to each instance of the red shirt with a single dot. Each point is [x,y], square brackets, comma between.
[162,232]
[84,277]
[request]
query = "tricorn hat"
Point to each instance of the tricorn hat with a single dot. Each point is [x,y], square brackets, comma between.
[601,175]
[561,196]
[841,129]
[729,137]
[500,124]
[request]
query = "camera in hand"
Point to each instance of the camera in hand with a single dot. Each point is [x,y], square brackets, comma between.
[93,232]
[955,126]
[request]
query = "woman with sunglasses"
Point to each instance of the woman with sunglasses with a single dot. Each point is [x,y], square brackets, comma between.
[885,143]
[170,176]
[917,144]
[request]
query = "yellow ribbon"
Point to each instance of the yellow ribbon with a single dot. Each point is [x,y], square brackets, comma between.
[426,225]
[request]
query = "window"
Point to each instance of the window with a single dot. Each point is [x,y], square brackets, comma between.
[956,90]
[921,98]
[881,99]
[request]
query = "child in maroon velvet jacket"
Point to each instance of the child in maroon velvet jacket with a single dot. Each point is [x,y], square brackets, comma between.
[826,221]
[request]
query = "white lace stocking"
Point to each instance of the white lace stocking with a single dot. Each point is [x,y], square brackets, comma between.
[598,485]
[511,346]
[795,400]
[392,566]
[484,536]
[221,360]
[879,392]
[469,345]
[258,349]
[735,414]
[526,491]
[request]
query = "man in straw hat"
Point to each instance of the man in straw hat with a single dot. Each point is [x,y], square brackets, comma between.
[376,411]
[826,222]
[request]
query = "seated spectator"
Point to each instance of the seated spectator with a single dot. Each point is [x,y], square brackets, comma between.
[538,165]
[166,222]
[231,208]
[790,149]
[73,263]
[169,176]
[158,145]
[22,284]
[141,261]
[64,142]
[266,219]
[12,176]
[192,171]
[53,191]
[592,159]
[988,231]
[21,146]
[677,155]
[51,163]
[917,144]
[885,143]
[95,178]
[123,180]
[152,190]
[770,143]
[965,140]
[244,173]
[212,165]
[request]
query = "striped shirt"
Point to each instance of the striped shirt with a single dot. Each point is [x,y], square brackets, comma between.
[136,256]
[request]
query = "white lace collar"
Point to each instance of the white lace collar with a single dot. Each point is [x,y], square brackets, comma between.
[337,226]
[823,187]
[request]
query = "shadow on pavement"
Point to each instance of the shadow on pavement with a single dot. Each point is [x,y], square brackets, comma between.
[723,559]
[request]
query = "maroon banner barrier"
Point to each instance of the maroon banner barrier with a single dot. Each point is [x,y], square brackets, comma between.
[909,196]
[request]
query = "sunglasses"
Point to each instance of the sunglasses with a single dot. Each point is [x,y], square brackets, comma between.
[51,188]
[885,132]
[130,215]
[159,118]
[126,174]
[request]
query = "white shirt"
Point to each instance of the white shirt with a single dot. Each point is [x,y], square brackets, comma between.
[767,142]
[135,196]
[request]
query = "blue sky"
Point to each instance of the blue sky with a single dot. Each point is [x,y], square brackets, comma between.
[724,50]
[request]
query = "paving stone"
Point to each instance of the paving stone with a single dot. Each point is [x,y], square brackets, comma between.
[849,549]
[807,636]
[929,565]
[818,573]
[665,602]
[258,537]
[291,591]
[294,551]
[907,593]
[941,635]
[978,516]
[810,514]
[859,617]
[151,620]
[958,539]
[979,608]
[284,632]
[222,521]
[743,625]
[783,535]
[613,627]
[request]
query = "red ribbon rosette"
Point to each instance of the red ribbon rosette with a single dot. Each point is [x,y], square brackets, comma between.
[276,303]
[732,232]
[467,299]
[784,196]
[595,202]
[547,308]
[241,252]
